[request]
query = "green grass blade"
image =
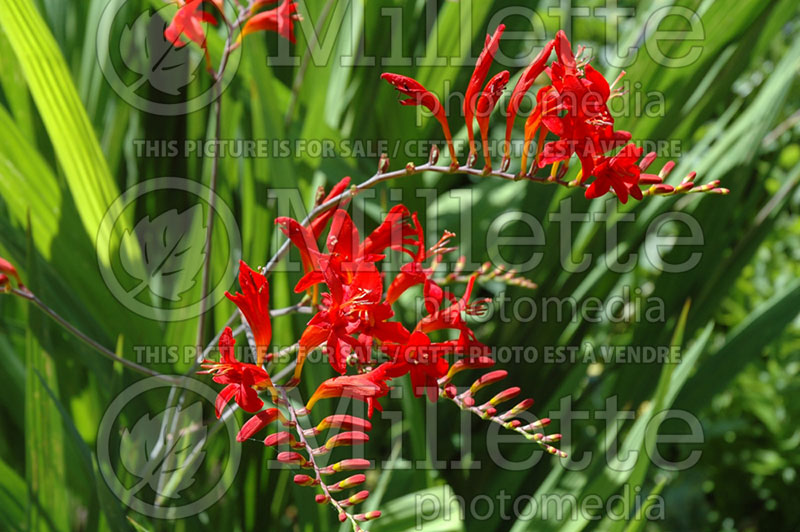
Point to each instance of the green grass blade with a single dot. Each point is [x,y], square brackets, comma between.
[61,110]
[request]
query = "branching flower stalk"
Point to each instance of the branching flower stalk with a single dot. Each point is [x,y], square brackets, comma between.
[351,298]
[329,492]
[488,411]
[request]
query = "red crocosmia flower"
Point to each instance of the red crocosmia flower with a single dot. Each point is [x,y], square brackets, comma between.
[352,312]
[242,379]
[367,387]
[587,128]
[482,67]
[253,302]
[486,103]
[419,95]
[189,23]
[348,309]
[450,317]
[411,274]
[522,87]
[423,360]
[397,232]
[468,349]
[414,273]
[620,172]
[280,20]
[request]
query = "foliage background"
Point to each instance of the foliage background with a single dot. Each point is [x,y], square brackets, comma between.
[66,154]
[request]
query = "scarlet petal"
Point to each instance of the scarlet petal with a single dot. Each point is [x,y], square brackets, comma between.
[343,236]
[224,398]
[226,347]
[304,240]
[564,52]
[597,189]
[318,224]
[310,279]
[257,423]
[248,399]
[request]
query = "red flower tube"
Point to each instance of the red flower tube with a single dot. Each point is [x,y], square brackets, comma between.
[419,95]
[482,67]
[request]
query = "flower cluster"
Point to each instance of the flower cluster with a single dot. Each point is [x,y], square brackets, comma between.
[573,108]
[353,299]
[355,325]
[354,320]
[191,19]
[355,316]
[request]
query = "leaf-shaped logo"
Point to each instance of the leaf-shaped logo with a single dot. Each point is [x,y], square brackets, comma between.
[146,51]
[173,250]
[165,462]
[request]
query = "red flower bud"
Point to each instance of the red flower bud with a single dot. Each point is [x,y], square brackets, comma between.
[305,480]
[347,483]
[257,423]
[487,379]
[350,464]
[342,421]
[369,516]
[292,458]
[347,438]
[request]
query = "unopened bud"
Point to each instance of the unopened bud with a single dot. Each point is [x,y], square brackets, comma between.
[305,480]
[292,458]
[383,164]
[433,156]
[369,516]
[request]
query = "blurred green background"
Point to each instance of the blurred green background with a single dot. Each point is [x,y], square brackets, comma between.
[69,144]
